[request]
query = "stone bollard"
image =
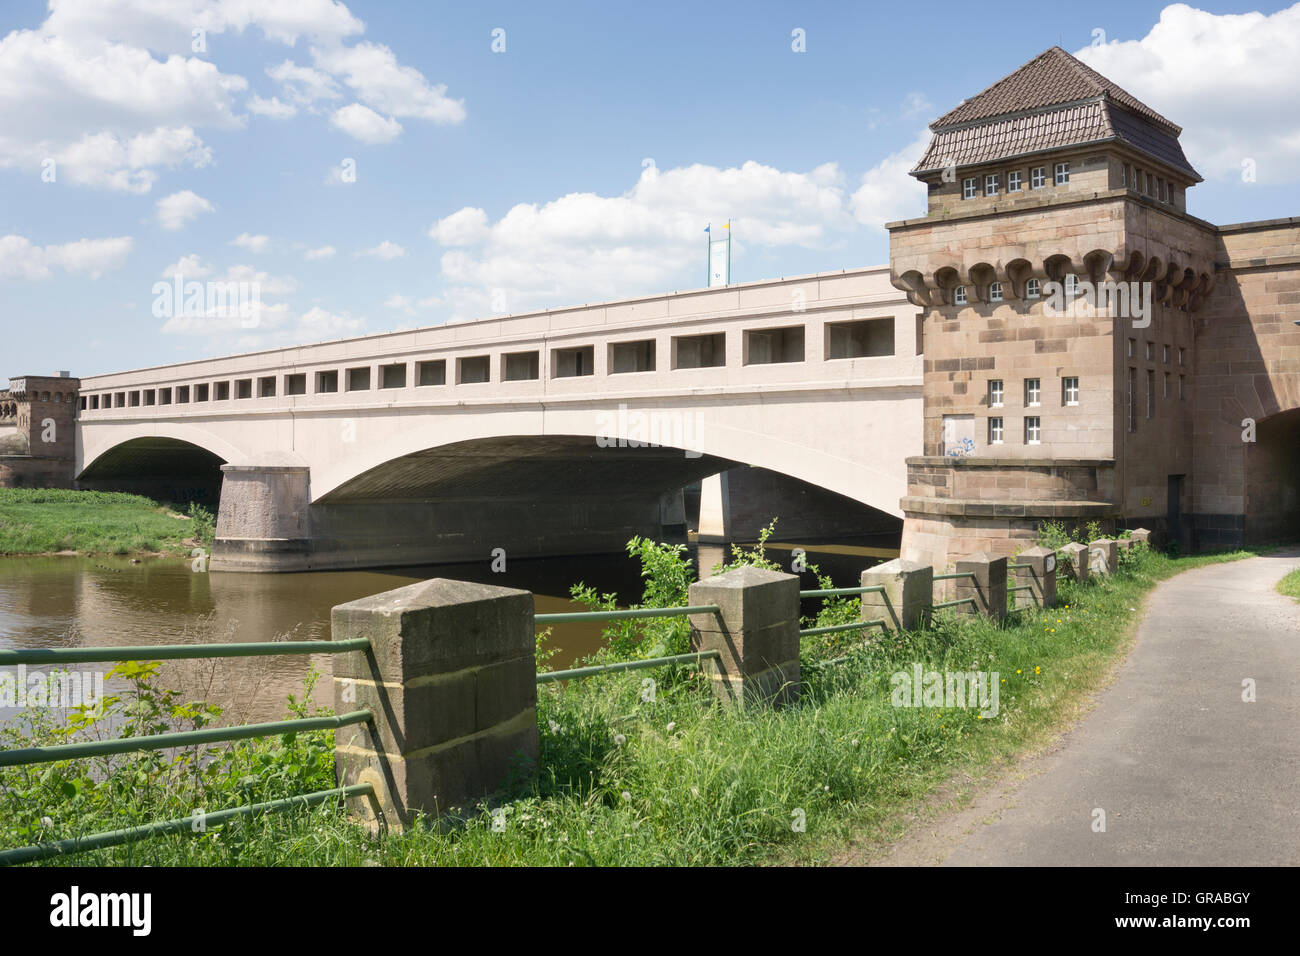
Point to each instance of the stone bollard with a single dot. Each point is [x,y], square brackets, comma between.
[451,677]
[1077,555]
[988,588]
[1038,572]
[1142,536]
[1103,556]
[756,632]
[907,599]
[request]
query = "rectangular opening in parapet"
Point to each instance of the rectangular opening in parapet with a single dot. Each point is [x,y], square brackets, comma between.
[266,386]
[149,396]
[359,379]
[519,366]
[866,338]
[295,384]
[182,394]
[223,391]
[432,372]
[201,393]
[327,382]
[164,396]
[700,351]
[472,369]
[573,362]
[632,356]
[244,388]
[773,346]
[392,376]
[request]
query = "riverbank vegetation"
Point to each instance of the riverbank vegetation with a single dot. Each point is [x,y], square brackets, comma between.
[50,521]
[626,776]
[1290,585]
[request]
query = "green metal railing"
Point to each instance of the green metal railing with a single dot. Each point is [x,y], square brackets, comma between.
[837,592]
[954,575]
[943,604]
[550,677]
[184,738]
[99,841]
[570,617]
[839,628]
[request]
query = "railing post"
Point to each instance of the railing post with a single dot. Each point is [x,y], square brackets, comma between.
[1038,571]
[1103,556]
[451,679]
[756,634]
[908,598]
[988,588]
[1077,555]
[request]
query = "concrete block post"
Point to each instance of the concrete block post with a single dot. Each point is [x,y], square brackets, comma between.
[988,588]
[451,677]
[1077,555]
[756,632]
[1103,556]
[907,600]
[1038,571]
[1142,536]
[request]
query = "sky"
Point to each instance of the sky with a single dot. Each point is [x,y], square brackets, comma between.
[378,166]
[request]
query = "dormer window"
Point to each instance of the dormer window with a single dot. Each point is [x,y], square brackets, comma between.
[1032,289]
[1062,174]
[991,184]
[1013,181]
[1038,177]
[995,292]
[969,188]
[959,295]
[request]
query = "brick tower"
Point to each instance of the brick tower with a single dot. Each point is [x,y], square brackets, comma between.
[1042,401]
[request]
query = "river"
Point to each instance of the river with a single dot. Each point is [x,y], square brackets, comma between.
[95,601]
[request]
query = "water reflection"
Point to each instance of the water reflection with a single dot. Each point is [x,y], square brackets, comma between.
[69,602]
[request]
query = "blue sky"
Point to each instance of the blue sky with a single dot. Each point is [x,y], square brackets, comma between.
[580,164]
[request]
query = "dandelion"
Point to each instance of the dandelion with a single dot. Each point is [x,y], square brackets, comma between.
[619,740]
[672,725]
[627,795]
[555,728]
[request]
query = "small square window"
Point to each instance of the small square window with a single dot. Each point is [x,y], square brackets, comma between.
[266,386]
[327,382]
[991,184]
[1033,289]
[995,292]
[359,379]
[1071,285]
[392,376]
[1013,181]
[1038,177]
[244,388]
[995,431]
[995,393]
[1033,430]
[1062,174]
[1070,390]
[959,295]
[295,384]
[223,391]
[432,372]
[969,188]
[1033,391]
[201,393]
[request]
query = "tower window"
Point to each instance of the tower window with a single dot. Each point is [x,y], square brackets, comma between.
[1062,174]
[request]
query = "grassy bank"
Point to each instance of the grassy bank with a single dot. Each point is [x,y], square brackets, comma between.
[46,521]
[1290,585]
[629,777]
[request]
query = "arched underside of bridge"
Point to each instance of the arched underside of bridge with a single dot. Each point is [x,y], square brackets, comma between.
[543,495]
[1273,479]
[165,469]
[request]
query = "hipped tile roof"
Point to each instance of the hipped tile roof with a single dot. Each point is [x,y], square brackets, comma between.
[1051,102]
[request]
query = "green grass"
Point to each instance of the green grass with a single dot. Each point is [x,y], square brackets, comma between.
[673,779]
[43,521]
[1290,585]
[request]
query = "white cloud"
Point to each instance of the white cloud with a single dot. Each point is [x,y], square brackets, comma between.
[251,243]
[914,103]
[187,267]
[583,247]
[385,250]
[304,85]
[401,303]
[179,208]
[20,259]
[324,252]
[272,107]
[1230,80]
[887,192]
[363,123]
[373,73]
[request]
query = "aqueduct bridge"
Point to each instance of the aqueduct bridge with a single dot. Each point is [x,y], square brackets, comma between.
[556,432]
